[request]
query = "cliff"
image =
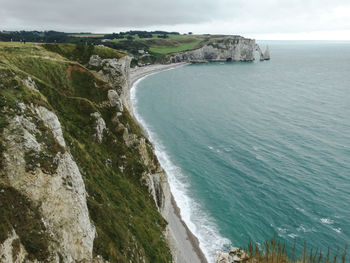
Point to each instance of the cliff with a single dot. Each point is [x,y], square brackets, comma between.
[74,164]
[234,48]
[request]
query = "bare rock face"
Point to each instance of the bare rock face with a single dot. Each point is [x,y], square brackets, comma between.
[234,48]
[95,61]
[116,72]
[114,99]
[30,83]
[52,181]
[100,126]
[51,121]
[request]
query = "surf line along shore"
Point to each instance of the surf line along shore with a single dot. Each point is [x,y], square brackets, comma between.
[182,242]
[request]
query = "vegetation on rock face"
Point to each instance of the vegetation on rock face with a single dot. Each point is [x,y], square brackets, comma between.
[128,224]
[19,214]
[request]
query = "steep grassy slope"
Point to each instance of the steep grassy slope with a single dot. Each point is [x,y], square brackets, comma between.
[82,52]
[129,227]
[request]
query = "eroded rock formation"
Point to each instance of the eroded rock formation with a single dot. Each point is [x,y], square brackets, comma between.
[116,72]
[233,48]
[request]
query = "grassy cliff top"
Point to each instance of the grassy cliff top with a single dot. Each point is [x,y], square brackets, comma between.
[163,46]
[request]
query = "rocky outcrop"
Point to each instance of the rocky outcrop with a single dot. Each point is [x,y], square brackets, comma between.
[37,164]
[100,126]
[30,83]
[263,55]
[116,72]
[51,121]
[267,53]
[233,48]
[235,255]
[114,99]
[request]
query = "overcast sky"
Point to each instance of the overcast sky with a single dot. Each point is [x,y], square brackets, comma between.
[268,19]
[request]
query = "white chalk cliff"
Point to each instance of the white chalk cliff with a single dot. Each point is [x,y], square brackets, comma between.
[233,48]
[57,190]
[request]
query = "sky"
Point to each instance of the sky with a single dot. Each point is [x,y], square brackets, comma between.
[268,19]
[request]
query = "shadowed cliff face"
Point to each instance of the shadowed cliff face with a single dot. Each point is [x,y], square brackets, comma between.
[224,49]
[74,162]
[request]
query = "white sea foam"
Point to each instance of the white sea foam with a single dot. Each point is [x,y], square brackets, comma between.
[302,210]
[338,230]
[282,230]
[302,228]
[197,220]
[327,221]
[291,235]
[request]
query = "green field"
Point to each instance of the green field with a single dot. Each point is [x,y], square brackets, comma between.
[174,43]
[177,48]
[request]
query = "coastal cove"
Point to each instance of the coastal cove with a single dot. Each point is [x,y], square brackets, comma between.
[175,131]
[67,133]
[106,161]
[241,162]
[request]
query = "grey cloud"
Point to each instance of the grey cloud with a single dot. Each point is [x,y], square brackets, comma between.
[105,13]
[251,16]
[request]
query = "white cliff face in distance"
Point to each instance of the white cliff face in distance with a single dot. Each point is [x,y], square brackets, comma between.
[232,48]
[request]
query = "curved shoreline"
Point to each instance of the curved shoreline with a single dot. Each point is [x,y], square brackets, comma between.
[184,244]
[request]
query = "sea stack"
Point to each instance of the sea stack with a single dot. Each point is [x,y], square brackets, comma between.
[267,53]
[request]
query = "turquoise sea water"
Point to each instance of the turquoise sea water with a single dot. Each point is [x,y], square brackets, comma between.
[257,149]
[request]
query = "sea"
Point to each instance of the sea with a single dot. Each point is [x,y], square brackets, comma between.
[257,150]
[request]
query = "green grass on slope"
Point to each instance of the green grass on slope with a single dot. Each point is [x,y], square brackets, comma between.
[81,52]
[128,224]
